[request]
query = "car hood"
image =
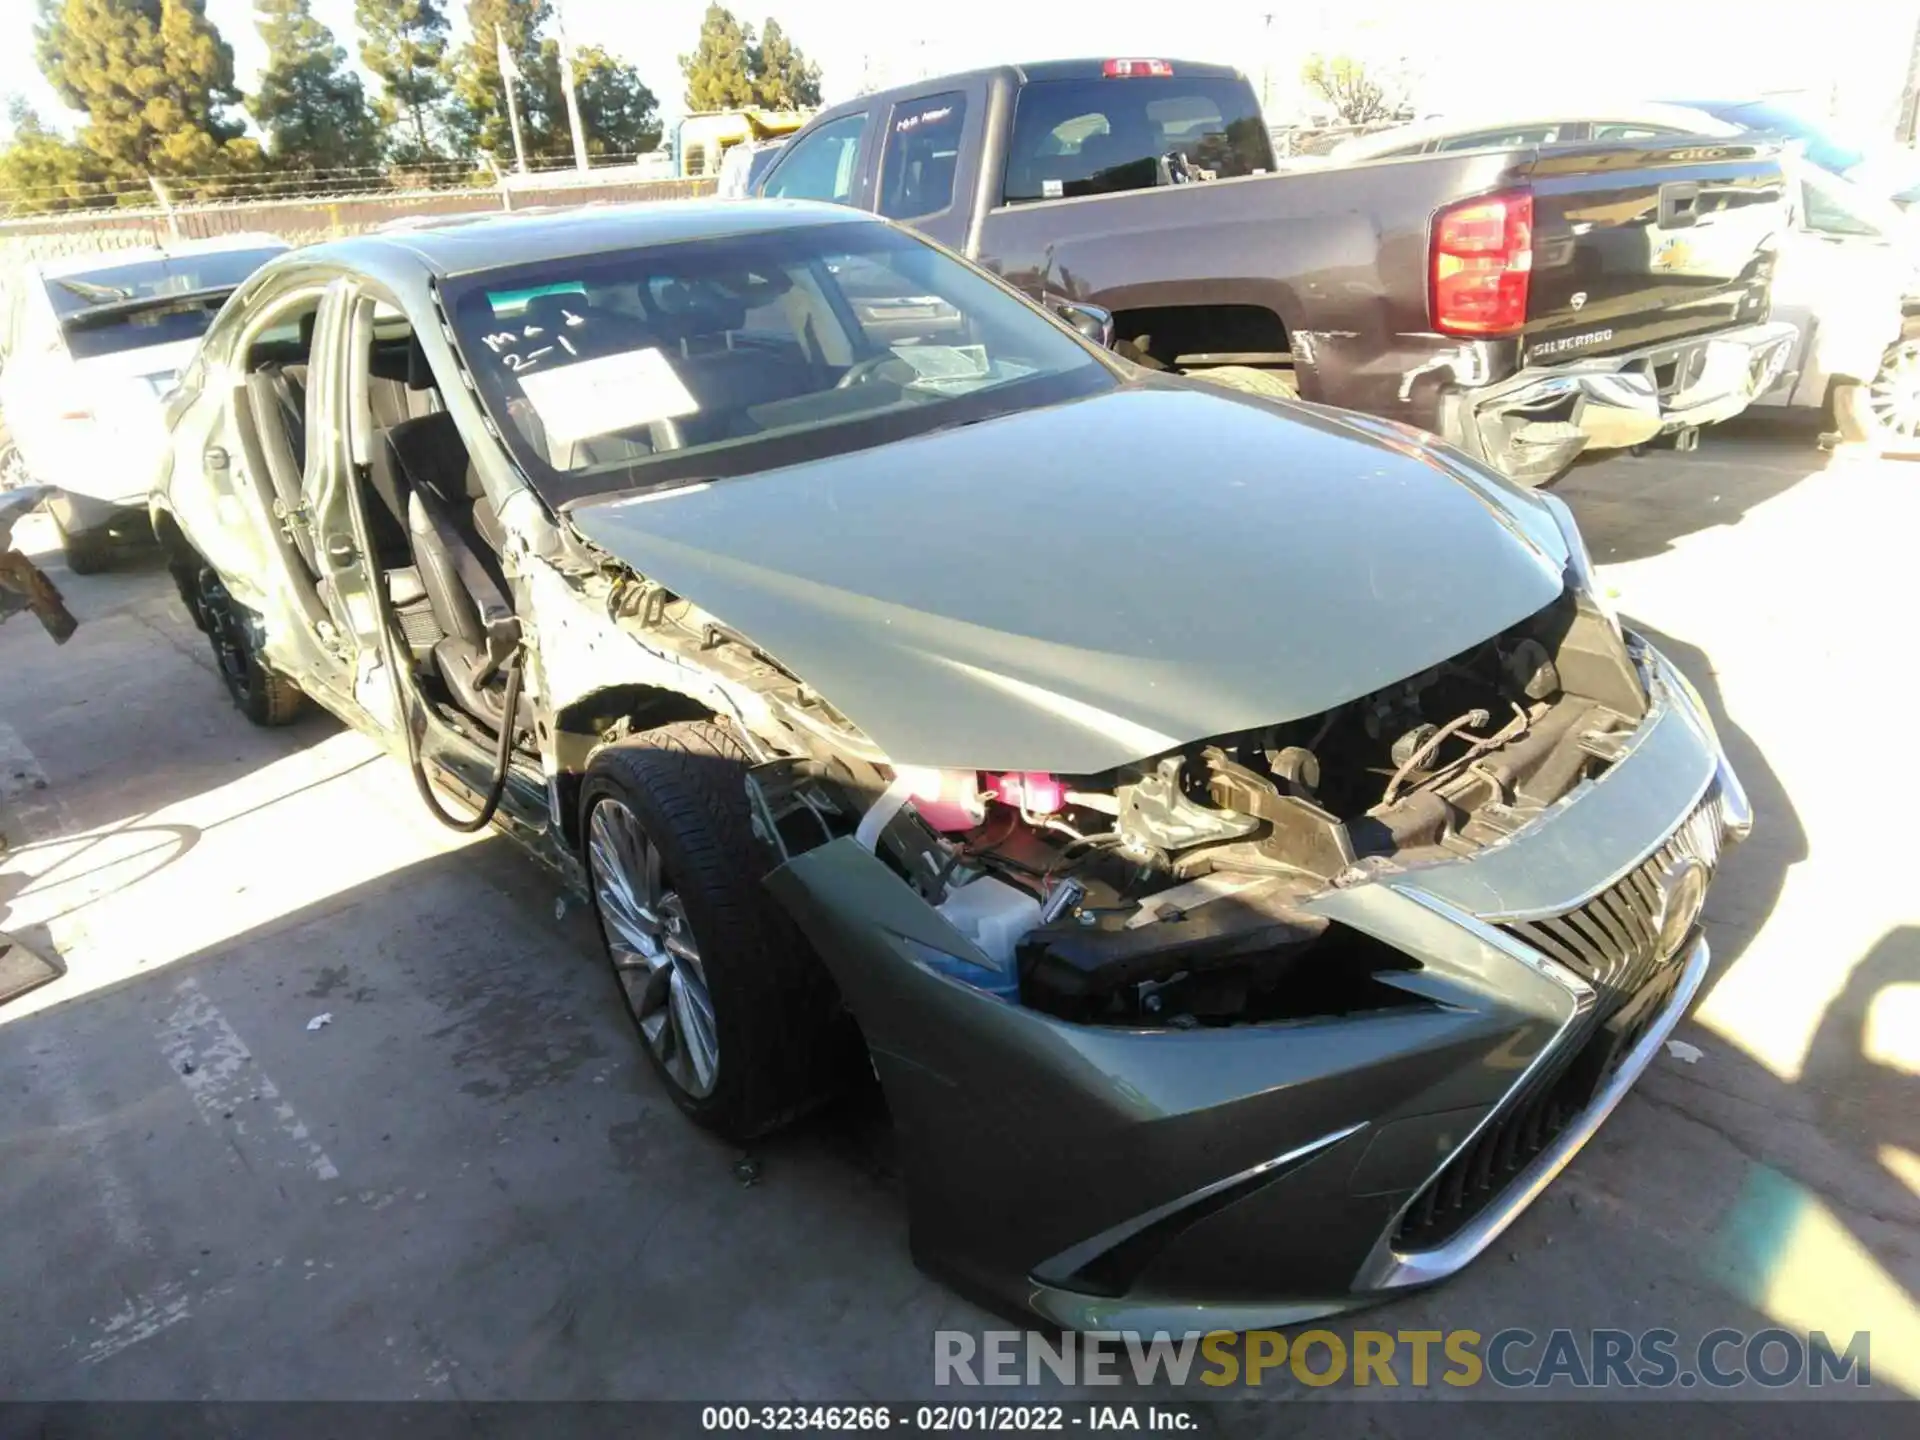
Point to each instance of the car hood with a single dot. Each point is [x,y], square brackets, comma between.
[1073,588]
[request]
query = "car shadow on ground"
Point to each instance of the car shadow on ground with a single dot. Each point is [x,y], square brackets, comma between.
[515,1192]
[1751,876]
[1632,507]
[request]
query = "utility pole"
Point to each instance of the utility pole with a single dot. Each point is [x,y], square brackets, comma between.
[1909,124]
[573,99]
[509,73]
[1266,70]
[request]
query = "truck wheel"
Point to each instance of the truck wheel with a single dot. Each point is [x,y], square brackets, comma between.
[87,552]
[258,693]
[736,1015]
[1274,384]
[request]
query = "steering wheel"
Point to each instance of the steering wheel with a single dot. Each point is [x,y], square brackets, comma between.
[862,371]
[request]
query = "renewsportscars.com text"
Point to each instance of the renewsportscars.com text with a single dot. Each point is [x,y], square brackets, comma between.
[1513,1358]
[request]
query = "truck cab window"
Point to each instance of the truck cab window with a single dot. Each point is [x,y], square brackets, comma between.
[923,153]
[1095,137]
[820,166]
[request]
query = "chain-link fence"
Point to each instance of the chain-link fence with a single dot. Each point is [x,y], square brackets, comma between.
[315,214]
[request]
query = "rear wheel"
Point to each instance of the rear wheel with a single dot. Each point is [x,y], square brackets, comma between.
[735,1013]
[87,552]
[1274,384]
[258,693]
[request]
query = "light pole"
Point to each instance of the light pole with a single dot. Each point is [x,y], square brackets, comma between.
[1266,68]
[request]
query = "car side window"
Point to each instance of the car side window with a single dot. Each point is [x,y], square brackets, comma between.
[923,154]
[1498,139]
[820,166]
[1825,212]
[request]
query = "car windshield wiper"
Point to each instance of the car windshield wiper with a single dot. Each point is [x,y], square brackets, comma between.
[88,290]
[120,309]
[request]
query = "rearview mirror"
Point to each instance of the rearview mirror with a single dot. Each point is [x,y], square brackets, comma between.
[1090,320]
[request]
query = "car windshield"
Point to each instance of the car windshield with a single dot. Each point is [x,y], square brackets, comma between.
[711,358]
[147,302]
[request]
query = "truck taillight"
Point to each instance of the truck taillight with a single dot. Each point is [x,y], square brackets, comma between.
[1482,256]
[1135,69]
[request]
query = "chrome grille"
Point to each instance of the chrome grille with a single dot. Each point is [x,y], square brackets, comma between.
[1613,939]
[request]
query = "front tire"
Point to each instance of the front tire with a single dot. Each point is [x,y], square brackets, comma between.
[265,698]
[734,1011]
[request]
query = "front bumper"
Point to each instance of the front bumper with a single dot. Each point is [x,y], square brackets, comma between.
[1258,1175]
[1533,425]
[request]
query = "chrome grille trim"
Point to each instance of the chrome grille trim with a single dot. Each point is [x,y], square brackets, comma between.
[1612,939]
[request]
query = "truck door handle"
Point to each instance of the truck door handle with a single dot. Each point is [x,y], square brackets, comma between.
[1679,204]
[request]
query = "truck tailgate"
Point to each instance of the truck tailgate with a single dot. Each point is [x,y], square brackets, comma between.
[1641,242]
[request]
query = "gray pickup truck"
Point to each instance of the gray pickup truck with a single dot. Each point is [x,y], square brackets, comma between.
[1527,304]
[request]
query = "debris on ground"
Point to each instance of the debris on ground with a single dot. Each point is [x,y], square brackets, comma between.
[560,907]
[320,1021]
[1682,1051]
[747,1170]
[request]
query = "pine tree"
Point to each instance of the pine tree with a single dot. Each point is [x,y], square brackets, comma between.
[720,70]
[404,44]
[156,82]
[41,170]
[310,107]
[618,112]
[479,113]
[783,78]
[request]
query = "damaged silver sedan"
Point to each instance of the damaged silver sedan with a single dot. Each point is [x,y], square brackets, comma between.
[1238,834]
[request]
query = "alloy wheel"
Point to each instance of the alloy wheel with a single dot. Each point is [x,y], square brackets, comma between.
[653,947]
[1893,399]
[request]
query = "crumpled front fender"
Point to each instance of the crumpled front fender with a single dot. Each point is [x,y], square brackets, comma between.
[1024,1137]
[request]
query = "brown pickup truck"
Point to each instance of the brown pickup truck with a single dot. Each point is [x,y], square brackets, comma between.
[1526,304]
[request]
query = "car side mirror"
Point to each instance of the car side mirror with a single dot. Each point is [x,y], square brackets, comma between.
[1091,321]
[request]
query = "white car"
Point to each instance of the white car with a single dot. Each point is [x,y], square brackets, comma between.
[89,344]
[743,165]
[1848,270]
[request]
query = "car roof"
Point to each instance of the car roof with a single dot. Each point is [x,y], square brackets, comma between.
[58,265]
[465,244]
[1445,127]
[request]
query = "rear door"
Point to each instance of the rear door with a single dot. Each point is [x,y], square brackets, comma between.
[1637,243]
[1841,278]
[930,161]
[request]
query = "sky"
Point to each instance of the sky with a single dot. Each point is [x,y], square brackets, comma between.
[1844,56]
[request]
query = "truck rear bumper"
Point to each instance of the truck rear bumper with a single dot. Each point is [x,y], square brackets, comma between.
[1533,425]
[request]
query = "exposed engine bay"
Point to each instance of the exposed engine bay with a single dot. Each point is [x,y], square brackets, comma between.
[1168,892]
